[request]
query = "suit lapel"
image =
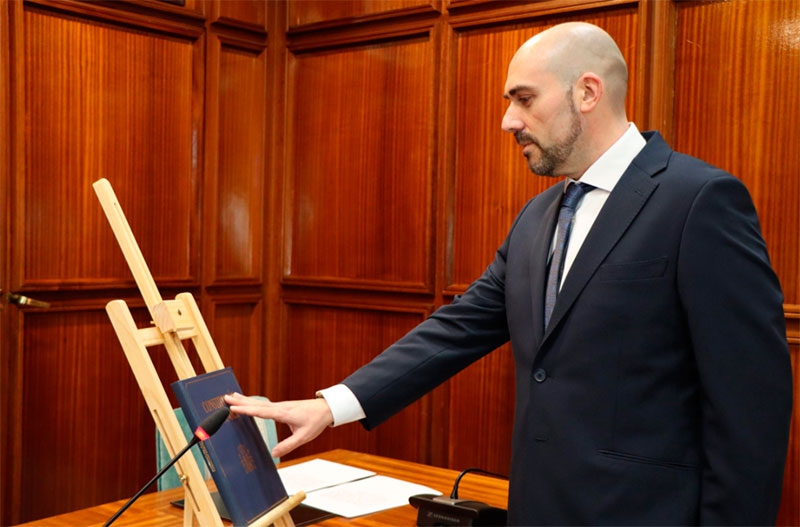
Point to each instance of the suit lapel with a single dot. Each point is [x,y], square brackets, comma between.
[623,205]
[540,249]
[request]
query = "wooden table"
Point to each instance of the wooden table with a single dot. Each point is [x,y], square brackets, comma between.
[155,510]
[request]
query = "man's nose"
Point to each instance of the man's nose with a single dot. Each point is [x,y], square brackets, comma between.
[511,123]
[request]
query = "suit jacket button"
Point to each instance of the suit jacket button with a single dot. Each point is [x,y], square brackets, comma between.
[539,375]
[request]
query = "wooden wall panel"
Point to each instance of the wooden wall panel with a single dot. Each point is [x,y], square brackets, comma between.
[492,181]
[482,414]
[236,325]
[240,139]
[735,63]
[248,14]
[104,101]
[789,513]
[95,93]
[315,13]
[360,167]
[328,342]
[86,425]
[10,408]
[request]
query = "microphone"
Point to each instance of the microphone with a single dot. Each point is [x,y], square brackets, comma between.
[208,427]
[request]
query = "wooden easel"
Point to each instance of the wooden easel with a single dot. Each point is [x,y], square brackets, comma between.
[174,321]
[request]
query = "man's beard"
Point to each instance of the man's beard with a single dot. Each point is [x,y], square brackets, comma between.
[552,158]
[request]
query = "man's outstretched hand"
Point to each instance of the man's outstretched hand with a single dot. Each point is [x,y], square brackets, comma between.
[306,419]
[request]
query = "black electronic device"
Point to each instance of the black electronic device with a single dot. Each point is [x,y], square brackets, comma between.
[434,511]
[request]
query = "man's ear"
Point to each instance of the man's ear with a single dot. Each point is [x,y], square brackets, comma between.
[589,91]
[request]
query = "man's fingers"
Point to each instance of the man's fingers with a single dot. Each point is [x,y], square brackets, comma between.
[240,404]
[300,436]
[244,410]
[241,400]
[306,419]
[286,446]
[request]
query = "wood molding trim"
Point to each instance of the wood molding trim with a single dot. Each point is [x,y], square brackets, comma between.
[514,12]
[792,312]
[410,10]
[656,67]
[179,21]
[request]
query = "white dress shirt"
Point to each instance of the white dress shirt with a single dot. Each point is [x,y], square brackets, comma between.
[603,175]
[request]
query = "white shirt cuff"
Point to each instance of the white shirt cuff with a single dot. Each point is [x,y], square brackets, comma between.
[343,404]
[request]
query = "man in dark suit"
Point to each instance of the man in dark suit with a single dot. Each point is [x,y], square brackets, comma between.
[653,381]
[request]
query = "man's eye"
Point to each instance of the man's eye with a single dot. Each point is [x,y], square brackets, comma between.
[525,101]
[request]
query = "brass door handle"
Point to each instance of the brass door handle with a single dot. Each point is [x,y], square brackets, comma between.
[22,300]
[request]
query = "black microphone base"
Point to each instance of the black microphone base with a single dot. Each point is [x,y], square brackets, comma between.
[437,511]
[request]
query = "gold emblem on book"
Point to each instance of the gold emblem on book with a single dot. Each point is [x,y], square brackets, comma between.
[246,458]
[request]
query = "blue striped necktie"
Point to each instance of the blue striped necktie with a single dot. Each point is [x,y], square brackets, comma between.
[574,193]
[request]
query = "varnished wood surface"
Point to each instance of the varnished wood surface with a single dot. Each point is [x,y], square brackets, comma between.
[337,339]
[789,513]
[154,509]
[361,209]
[118,90]
[236,162]
[91,118]
[248,14]
[312,14]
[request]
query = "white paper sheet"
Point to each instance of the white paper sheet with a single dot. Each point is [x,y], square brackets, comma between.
[366,496]
[319,474]
[348,491]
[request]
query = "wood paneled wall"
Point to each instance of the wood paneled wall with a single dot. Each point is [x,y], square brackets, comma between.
[170,103]
[321,175]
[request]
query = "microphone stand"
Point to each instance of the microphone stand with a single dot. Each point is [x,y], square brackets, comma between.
[161,472]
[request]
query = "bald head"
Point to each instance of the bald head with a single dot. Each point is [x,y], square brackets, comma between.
[566,90]
[569,50]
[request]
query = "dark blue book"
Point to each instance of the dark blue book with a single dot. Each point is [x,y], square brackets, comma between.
[242,468]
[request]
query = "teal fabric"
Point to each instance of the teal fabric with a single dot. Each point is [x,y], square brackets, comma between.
[171,480]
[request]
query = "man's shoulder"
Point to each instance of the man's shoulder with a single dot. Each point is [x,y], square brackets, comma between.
[662,160]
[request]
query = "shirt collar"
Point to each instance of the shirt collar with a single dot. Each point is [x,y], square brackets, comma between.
[609,167]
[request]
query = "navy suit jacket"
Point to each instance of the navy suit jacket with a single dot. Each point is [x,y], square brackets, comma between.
[661,391]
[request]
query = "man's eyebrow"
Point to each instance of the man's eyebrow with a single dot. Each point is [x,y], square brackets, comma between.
[513,91]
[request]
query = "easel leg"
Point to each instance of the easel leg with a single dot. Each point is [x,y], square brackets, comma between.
[188,516]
